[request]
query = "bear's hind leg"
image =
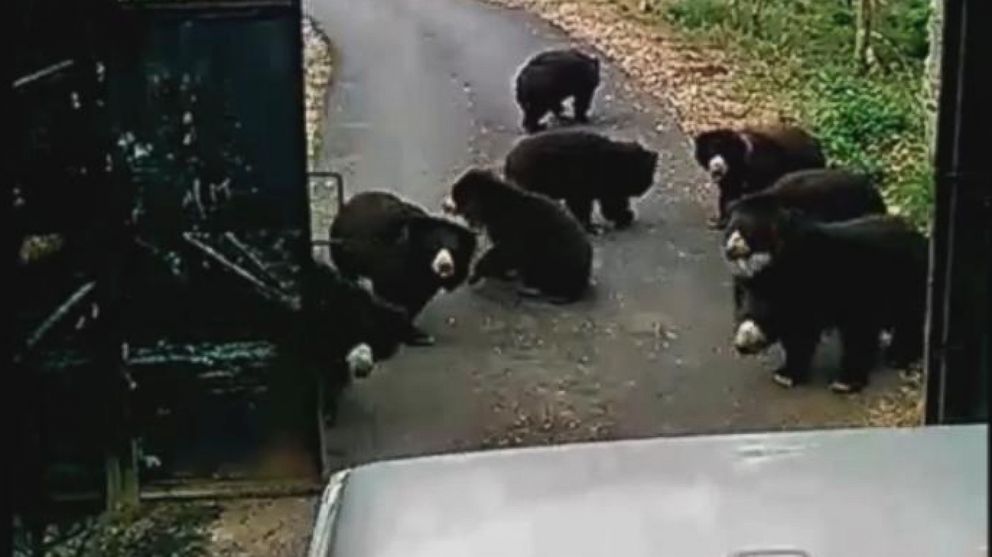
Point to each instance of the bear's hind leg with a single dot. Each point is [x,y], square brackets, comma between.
[533,113]
[617,211]
[581,104]
[581,209]
[859,351]
[907,345]
[492,264]
[799,348]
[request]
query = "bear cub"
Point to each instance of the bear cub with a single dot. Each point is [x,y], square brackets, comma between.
[582,167]
[531,235]
[551,77]
[407,254]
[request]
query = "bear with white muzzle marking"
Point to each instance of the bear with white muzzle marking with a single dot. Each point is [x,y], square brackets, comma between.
[751,238]
[859,277]
[404,254]
[751,159]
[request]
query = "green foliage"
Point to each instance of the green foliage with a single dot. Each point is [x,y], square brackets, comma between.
[701,14]
[905,24]
[857,119]
[801,52]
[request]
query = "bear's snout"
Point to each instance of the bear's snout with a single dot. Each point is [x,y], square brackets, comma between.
[717,168]
[448,205]
[736,246]
[360,360]
[443,264]
[750,339]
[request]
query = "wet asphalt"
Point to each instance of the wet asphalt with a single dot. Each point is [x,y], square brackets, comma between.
[421,90]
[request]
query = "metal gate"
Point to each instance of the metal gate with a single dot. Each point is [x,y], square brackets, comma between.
[161,251]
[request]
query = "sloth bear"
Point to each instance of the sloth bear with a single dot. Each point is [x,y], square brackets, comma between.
[345,327]
[826,195]
[547,79]
[406,254]
[581,167]
[859,276]
[351,325]
[751,159]
[531,235]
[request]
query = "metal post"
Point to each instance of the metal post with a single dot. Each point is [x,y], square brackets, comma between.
[959,300]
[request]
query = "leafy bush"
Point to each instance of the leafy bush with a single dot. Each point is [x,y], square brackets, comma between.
[700,14]
[857,119]
[905,24]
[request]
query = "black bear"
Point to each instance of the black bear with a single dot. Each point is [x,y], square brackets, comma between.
[345,328]
[406,254]
[751,159]
[547,79]
[826,195]
[581,167]
[531,235]
[859,276]
[349,324]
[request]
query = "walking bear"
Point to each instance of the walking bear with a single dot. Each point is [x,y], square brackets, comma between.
[531,235]
[407,254]
[751,159]
[581,167]
[859,277]
[547,79]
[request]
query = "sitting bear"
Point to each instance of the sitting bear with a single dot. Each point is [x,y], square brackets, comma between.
[406,254]
[531,235]
[859,276]
[581,167]
[826,195]
[752,159]
[547,79]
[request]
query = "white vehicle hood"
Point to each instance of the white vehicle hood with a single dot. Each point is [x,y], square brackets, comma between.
[835,493]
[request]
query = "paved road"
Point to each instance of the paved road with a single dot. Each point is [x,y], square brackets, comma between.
[423,89]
